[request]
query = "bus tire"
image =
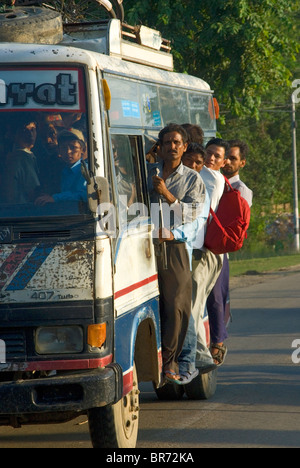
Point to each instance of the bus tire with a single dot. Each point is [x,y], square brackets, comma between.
[169,392]
[31,25]
[116,426]
[202,387]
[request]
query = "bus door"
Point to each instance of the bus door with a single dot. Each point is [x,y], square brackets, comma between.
[135,274]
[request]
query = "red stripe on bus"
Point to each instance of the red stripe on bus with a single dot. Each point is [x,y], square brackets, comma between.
[75,364]
[13,261]
[136,286]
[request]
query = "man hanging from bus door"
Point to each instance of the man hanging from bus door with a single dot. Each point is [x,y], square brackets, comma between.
[180,188]
[217,300]
[193,158]
[206,269]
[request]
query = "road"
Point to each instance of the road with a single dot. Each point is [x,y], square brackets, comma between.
[257,403]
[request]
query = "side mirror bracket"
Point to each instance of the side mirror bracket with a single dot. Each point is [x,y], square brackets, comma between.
[97,189]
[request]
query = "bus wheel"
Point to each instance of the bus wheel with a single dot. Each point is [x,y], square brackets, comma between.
[31,25]
[202,387]
[116,426]
[169,392]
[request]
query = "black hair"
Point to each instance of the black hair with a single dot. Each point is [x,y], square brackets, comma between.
[219,142]
[196,148]
[195,133]
[244,148]
[172,127]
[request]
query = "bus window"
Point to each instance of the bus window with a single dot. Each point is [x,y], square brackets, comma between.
[125,107]
[174,105]
[202,111]
[128,173]
[44,110]
[150,103]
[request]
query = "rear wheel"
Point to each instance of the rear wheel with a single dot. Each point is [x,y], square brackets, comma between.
[116,426]
[203,387]
[170,392]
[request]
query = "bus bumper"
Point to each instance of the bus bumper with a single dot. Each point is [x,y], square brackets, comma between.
[76,392]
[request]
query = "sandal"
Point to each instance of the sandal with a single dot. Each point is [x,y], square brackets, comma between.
[220,356]
[172,377]
[188,377]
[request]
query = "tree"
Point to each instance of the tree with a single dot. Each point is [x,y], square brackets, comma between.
[243,48]
[248,51]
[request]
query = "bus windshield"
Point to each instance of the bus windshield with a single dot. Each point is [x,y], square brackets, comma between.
[43,142]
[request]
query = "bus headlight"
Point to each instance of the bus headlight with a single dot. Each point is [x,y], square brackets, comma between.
[59,340]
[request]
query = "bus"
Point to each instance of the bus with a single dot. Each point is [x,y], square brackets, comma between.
[79,297]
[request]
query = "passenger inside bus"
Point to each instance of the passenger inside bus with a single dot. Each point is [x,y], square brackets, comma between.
[33,167]
[151,149]
[46,150]
[124,169]
[22,182]
[72,149]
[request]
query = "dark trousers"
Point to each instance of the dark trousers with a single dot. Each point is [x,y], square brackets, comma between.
[175,285]
[216,305]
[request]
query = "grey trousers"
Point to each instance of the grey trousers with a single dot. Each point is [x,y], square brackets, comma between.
[175,285]
[206,270]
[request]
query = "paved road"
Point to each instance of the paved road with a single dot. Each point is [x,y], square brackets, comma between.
[257,403]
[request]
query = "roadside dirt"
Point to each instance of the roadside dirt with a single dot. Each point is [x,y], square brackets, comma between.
[253,277]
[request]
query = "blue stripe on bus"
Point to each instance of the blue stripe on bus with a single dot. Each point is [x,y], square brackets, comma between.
[126,327]
[30,268]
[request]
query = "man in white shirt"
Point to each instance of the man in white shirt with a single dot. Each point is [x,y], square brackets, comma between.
[206,269]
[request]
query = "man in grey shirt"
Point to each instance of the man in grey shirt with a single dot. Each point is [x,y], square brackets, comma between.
[180,189]
[217,300]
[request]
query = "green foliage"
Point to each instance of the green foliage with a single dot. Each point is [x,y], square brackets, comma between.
[243,48]
[265,264]
[248,51]
[268,170]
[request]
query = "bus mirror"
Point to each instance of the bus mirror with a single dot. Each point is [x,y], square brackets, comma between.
[107,95]
[98,193]
[217,108]
[214,109]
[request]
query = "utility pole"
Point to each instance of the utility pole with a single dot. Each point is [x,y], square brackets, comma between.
[295,174]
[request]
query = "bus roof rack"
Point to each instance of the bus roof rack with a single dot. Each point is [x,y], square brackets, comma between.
[138,44]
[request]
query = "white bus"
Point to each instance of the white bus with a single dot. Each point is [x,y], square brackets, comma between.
[79,308]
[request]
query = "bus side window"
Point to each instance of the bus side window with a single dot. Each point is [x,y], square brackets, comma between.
[123,161]
[128,173]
